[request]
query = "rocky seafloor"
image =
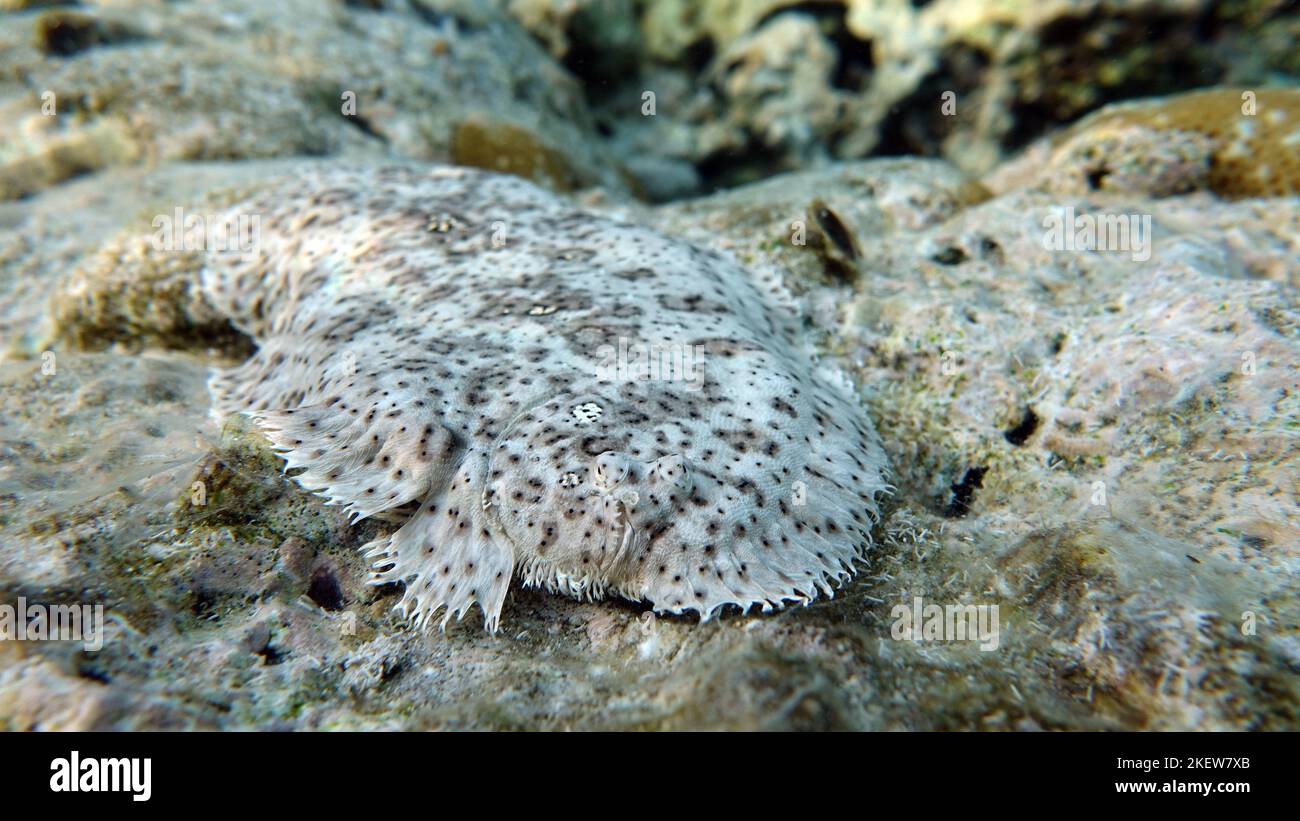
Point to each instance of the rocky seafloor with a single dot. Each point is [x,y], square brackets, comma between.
[1103,443]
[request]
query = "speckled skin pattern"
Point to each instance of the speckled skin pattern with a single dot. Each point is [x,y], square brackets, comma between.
[437,344]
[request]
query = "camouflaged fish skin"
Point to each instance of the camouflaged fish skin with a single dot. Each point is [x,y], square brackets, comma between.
[469,351]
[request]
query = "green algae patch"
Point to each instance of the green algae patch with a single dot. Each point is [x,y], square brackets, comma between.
[240,487]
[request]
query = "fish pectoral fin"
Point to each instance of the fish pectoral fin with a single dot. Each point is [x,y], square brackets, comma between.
[369,463]
[450,558]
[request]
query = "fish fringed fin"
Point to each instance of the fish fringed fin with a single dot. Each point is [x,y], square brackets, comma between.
[790,563]
[449,559]
[366,463]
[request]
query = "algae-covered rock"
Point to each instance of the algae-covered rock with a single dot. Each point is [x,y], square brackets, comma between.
[1236,142]
[747,88]
[107,85]
[96,447]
